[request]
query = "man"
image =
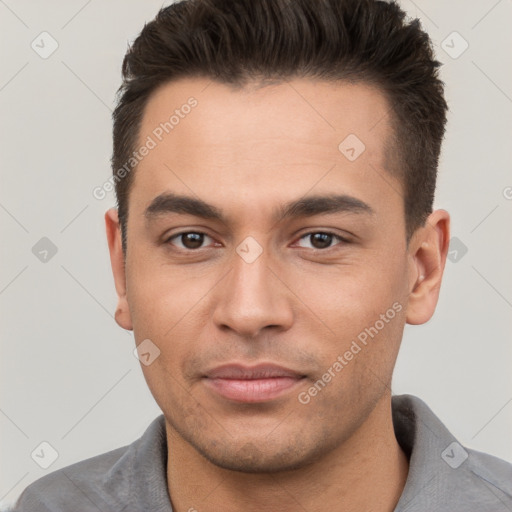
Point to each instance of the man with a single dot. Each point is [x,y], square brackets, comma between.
[275,165]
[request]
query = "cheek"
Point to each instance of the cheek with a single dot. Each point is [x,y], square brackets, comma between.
[162,298]
[167,307]
[353,296]
[359,310]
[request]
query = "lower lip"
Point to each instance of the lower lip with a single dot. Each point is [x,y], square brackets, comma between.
[251,391]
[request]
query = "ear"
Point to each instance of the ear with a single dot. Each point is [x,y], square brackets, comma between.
[428,249]
[115,247]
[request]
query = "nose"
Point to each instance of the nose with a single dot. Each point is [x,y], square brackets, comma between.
[253,298]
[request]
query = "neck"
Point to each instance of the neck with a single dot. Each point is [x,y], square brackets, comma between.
[367,472]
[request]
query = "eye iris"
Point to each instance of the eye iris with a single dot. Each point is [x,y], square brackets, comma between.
[321,240]
[192,240]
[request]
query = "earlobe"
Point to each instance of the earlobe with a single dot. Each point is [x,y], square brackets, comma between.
[427,251]
[122,315]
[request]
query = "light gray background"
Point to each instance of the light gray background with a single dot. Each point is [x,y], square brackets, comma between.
[68,375]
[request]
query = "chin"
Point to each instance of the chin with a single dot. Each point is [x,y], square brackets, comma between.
[261,458]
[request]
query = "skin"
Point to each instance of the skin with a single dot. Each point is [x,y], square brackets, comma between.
[248,152]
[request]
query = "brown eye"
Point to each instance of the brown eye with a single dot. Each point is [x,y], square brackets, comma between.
[320,240]
[189,240]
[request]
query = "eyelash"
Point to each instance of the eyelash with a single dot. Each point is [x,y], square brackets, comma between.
[309,233]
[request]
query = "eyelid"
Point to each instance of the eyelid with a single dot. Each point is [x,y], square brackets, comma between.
[341,238]
[168,239]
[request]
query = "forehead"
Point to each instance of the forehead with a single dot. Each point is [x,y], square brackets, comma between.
[211,137]
[303,109]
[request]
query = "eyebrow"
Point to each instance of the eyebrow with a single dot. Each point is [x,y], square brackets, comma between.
[308,206]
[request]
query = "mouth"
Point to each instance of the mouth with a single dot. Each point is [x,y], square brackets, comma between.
[252,384]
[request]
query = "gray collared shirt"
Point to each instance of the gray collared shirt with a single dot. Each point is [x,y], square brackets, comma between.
[443,475]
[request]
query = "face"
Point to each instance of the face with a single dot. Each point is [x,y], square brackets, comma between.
[267,264]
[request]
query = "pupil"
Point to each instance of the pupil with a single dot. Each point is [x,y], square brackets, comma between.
[192,240]
[321,240]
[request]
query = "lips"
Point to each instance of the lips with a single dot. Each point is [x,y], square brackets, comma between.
[251,384]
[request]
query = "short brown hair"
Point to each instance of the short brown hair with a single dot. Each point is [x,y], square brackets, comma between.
[237,41]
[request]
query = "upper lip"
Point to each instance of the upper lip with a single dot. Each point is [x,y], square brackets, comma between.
[243,372]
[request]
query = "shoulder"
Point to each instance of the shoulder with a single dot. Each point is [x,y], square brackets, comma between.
[85,485]
[444,475]
[128,478]
[494,473]
[473,480]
